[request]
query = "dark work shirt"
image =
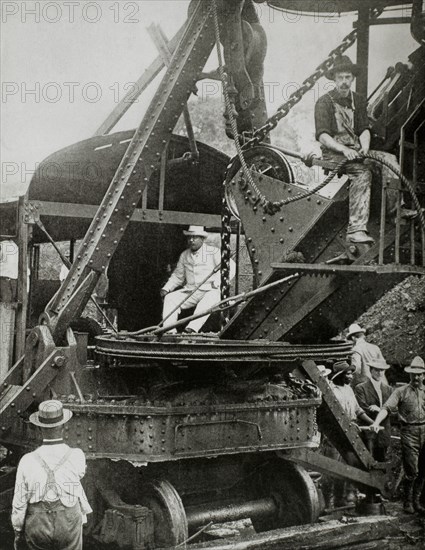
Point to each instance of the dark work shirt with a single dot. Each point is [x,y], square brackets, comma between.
[324,113]
[410,403]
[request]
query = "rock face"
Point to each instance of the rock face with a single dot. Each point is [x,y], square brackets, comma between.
[397,322]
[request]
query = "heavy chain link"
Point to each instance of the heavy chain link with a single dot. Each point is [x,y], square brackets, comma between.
[282,111]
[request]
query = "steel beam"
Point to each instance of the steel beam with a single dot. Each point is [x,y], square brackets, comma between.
[167,217]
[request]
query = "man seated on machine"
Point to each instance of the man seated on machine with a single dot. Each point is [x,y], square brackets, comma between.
[343,129]
[198,274]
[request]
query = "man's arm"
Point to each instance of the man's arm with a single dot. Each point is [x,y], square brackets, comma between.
[330,143]
[177,278]
[390,405]
[364,139]
[382,415]
[360,413]
[20,501]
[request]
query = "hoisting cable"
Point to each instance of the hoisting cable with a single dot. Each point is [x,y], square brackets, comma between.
[219,306]
[178,306]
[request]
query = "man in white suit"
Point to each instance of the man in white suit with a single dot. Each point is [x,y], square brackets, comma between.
[194,270]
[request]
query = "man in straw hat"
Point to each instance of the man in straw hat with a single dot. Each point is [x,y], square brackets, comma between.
[371,395]
[49,504]
[194,278]
[342,128]
[409,401]
[363,353]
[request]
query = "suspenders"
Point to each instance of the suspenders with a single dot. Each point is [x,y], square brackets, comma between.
[51,481]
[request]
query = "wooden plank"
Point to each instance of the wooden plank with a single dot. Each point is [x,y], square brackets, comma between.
[22,293]
[332,534]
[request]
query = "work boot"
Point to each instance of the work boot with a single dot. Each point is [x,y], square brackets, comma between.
[408,497]
[359,237]
[417,493]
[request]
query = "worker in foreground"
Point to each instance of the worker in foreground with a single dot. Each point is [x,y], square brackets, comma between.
[189,284]
[409,401]
[49,503]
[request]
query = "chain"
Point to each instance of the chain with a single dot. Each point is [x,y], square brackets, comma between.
[225,257]
[260,134]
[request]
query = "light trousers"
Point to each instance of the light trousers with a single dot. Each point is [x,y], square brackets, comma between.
[202,299]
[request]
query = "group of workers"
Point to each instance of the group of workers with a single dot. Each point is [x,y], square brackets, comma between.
[366,397]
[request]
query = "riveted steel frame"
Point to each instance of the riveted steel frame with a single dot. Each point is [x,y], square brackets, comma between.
[139,161]
[158,434]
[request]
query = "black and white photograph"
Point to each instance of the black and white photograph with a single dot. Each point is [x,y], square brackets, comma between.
[212,275]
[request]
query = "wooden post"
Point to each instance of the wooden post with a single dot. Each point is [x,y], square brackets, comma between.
[363,49]
[22,291]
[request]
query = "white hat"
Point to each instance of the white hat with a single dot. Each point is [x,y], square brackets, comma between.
[378,364]
[323,370]
[196,231]
[354,329]
[50,414]
[417,366]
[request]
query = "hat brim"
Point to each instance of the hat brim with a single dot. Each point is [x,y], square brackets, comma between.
[384,367]
[325,372]
[354,69]
[191,234]
[351,369]
[414,370]
[67,415]
[350,334]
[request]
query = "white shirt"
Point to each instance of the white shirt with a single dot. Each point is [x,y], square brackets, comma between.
[377,385]
[31,479]
[193,267]
[348,400]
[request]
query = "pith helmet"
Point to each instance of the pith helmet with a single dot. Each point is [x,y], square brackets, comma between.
[50,414]
[355,329]
[343,64]
[196,231]
[378,364]
[417,366]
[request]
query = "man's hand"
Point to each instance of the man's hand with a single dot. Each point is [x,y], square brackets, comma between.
[374,408]
[375,427]
[350,154]
[19,542]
